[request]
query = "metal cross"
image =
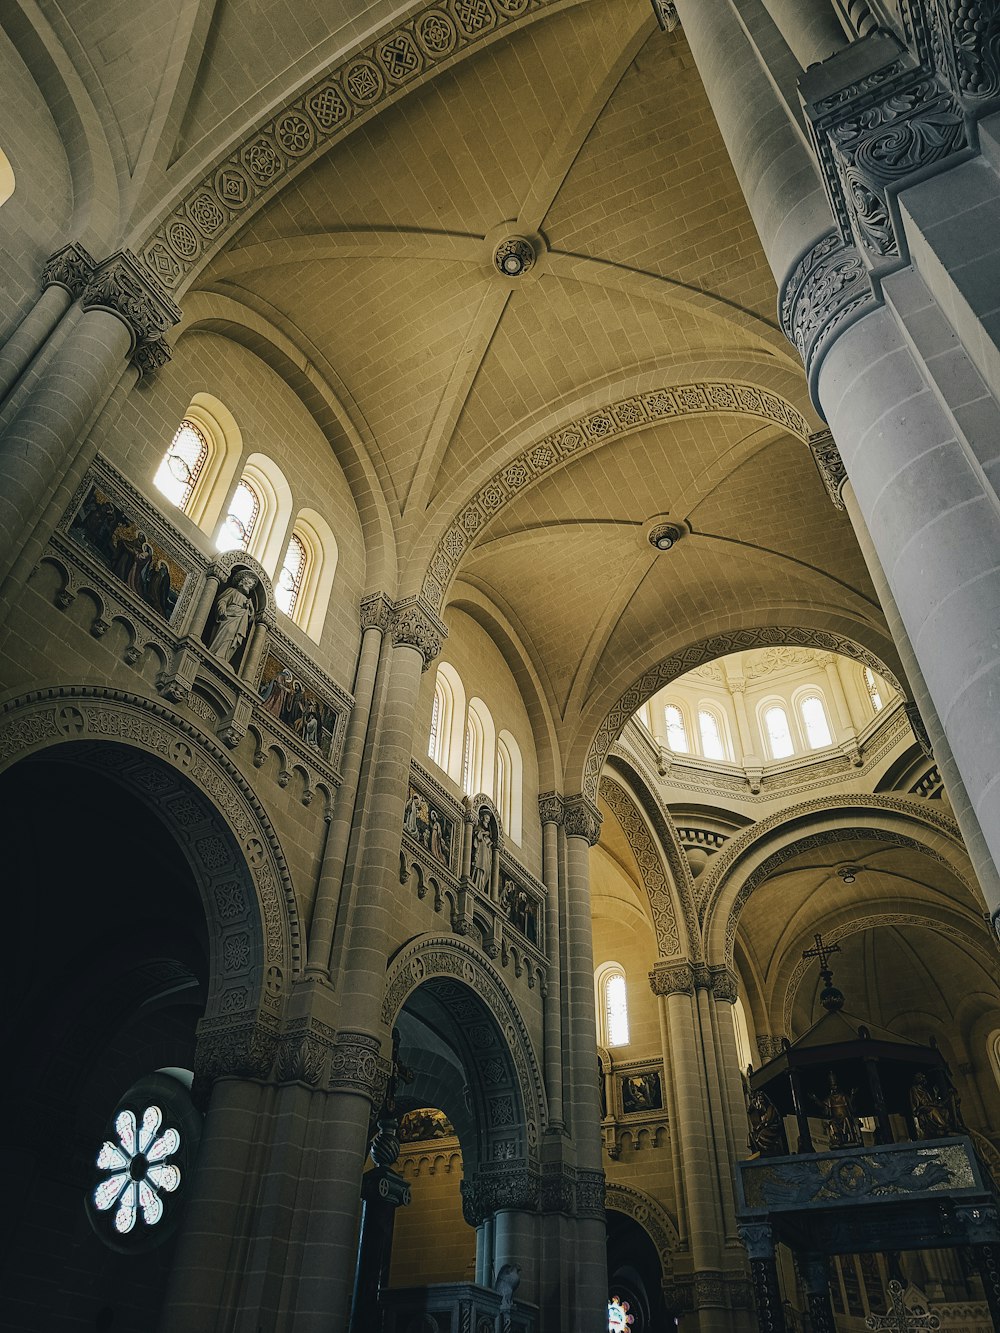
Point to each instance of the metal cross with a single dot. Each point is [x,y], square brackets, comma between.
[822,952]
[900,1318]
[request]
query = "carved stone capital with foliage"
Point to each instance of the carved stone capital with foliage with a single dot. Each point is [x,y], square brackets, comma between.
[70,267]
[582,819]
[497,1187]
[590,1189]
[415,625]
[675,978]
[829,465]
[124,287]
[376,612]
[150,355]
[551,809]
[758,1238]
[919,730]
[723,983]
[233,1050]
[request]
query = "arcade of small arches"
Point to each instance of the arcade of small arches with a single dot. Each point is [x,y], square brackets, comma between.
[479,691]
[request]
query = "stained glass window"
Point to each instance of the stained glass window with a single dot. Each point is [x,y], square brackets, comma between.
[181,467]
[871,684]
[711,737]
[140,1172]
[779,738]
[615,1009]
[293,570]
[676,735]
[244,510]
[814,721]
[619,1319]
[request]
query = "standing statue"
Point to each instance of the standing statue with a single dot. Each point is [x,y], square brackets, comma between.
[482,852]
[232,617]
[766,1129]
[842,1125]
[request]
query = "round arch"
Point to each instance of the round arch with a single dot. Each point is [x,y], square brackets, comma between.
[753,856]
[211,811]
[654,1219]
[591,747]
[463,981]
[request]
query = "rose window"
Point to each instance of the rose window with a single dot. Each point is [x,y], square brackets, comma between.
[140,1172]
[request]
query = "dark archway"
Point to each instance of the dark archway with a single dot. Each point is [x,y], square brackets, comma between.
[635,1274]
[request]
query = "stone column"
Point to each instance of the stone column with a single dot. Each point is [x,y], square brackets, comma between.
[814,1270]
[737,689]
[64,279]
[810,27]
[123,311]
[376,613]
[759,1241]
[581,1096]
[550,812]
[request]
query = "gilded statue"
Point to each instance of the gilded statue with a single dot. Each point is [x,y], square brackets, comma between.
[843,1128]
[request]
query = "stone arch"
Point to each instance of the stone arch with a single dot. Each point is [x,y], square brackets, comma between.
[672,924]
[654,1219]
[658,676]
[463,981]
[753,856]
[194,788]
[790,977]
[595,428]
[362,83]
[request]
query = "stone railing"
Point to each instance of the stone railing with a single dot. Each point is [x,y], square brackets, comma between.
[453,1306]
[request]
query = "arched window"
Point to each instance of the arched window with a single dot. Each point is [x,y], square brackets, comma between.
[712,744]
[434,736]
[291,576]
[779,738]
[479,759]
[874,694]
[241,520]
[6,178]
[814,722]
[182,465]
[612,1004]
[509,781]
[676,734]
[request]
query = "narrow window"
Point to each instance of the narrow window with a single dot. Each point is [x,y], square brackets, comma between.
[434,739]
[244,510]
[711,738]
[468,761]
[779,738]
[503,785]
[676,735]
[6,177]
[615,1009]
[814,721]
[293,572]
[871,684]
[182,464]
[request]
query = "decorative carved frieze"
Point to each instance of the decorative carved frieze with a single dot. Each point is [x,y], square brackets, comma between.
[70,267]
[550,808]
[124,287]
[233,1050]
[672,979]
[582,819]
[666,14]
[590,1188]
[415,625]
[356,1065]
[829,465]
[150,355]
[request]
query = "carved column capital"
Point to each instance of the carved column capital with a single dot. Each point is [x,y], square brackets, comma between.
[758,1239]
[356,1065]
[919,730]
[666,15]
[510,1186]
[243,1049]
[124,287]
[150,356]
[676,978]
[590,1190]
[551,809]
[376,612]
[724,983]
[828,288]
[582,819]
[71,268]
[415,625]
[829,465]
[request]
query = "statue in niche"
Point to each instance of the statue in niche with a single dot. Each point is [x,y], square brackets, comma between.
[483,842]
[766,1129]
[232,617]
[935,1110]
[843,1129]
